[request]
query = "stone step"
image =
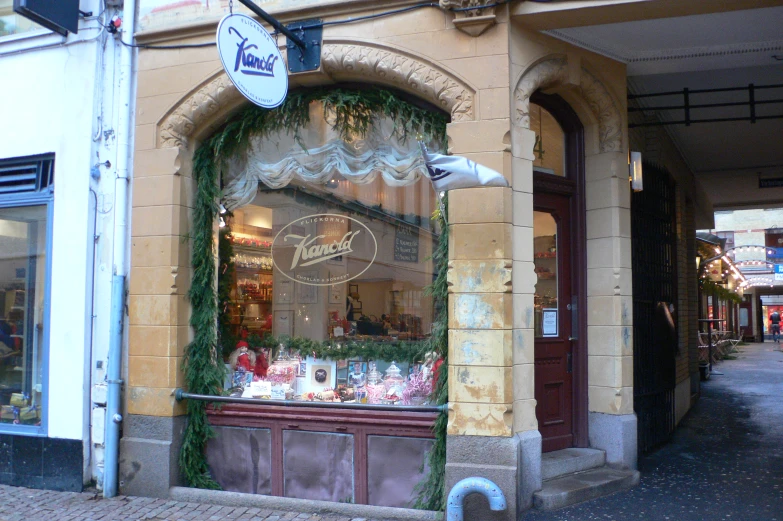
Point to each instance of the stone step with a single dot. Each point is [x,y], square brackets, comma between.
[583,486]
[567,461]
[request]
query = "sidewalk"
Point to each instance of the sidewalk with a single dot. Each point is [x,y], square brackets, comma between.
[18,504]
[725,460]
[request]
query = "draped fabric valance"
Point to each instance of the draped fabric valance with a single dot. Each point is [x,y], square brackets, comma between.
[321,154]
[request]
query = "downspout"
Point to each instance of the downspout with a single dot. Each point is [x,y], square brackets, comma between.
[117,311]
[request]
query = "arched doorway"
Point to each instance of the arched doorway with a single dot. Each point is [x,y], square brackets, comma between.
[560,264]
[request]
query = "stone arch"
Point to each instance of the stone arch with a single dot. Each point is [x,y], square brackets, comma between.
[554,71]
[342,60]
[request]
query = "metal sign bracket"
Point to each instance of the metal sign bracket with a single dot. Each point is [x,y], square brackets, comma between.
[307,58]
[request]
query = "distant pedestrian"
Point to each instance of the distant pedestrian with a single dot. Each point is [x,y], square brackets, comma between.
[774,320]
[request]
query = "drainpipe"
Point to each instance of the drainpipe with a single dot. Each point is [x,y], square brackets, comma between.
[117,312]
[483,486]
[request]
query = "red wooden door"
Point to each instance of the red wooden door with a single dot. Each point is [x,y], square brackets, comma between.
[553,321]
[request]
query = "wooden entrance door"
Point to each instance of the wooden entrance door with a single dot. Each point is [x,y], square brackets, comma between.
[554,324]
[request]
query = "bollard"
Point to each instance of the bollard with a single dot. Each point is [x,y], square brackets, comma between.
[454,505]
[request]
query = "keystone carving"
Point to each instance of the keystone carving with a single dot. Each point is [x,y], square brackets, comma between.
[341,61]
[472,22]
[554,71]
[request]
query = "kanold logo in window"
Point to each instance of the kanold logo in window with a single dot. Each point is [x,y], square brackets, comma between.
[324,249]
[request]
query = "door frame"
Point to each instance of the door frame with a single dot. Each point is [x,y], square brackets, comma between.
[574,187]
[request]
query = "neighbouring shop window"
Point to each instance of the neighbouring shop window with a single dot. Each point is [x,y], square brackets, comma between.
[545,259]
[549,148]
[24,231]
[12,23]
[331,242]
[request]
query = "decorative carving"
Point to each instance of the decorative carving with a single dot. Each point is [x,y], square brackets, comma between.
[405,72]
[603,106]
[358,61]
[472,22]
[542,75]
[179,124]
[554,71]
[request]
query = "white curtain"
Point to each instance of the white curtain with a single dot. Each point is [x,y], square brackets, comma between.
[279,159]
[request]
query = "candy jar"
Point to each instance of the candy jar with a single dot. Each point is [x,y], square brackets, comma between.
[281,371]
[418,389]
[375,388]
[394,384]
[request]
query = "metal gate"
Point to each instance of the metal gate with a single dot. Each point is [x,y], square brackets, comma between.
[653,233]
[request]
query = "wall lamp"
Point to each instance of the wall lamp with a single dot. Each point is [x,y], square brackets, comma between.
[635,172]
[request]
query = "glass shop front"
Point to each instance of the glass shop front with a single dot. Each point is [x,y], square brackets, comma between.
[326,249]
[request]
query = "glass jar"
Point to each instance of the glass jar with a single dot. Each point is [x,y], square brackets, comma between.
[375,388]
[394,384]
[281,371]
[418,388]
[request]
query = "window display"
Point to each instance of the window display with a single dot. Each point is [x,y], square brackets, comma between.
[22,289]
[327,250]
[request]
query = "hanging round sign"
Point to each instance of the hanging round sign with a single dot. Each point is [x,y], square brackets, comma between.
[252,60]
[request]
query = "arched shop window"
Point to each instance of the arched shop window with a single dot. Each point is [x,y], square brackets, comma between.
[327,250]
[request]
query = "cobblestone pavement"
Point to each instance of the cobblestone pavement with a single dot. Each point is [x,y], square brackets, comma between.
[724,462]
[24,504]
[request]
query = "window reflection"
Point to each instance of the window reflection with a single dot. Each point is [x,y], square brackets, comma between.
[545,259]
[549,148]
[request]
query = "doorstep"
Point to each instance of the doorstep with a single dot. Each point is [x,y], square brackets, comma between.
[575,488]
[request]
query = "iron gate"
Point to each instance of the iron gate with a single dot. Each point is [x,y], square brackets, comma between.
[654,250]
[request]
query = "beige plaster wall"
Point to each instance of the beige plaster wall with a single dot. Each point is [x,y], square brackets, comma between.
[183,96]
[586,81]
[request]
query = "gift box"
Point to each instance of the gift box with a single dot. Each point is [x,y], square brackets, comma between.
[8,412]
[19,400]
[29,413]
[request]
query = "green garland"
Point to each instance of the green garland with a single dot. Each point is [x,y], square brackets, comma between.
[719,291]
[353,113]
[432,491]
[226,339]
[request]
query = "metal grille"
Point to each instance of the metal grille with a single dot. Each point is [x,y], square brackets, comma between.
[653,235]
[22,176]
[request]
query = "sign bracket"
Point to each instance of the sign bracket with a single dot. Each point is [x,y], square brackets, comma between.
[304,39]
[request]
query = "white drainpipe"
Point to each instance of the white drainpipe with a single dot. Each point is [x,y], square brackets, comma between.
[122,182]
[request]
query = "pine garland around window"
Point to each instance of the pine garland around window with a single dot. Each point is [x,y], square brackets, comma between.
[354,112]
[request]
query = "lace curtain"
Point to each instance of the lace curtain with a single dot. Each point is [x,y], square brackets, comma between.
[279,159]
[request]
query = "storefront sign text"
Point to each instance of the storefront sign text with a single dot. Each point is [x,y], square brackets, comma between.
[252,60]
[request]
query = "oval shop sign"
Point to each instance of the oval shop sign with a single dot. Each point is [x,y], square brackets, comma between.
[316,249]
[252,60]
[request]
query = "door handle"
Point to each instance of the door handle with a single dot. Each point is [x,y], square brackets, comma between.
[572,338]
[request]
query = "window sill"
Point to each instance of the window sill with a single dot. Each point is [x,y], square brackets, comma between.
[23,430]
[29,40]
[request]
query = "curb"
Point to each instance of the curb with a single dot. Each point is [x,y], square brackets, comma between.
[305,506]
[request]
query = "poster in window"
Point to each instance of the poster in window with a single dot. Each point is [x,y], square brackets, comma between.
[308,294]
[282,323]
[549,322]
[406,244]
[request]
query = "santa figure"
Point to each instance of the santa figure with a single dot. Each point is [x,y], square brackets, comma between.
[242,358]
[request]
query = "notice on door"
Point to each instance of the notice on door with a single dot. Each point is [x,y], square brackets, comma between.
[406,244]
[549,322]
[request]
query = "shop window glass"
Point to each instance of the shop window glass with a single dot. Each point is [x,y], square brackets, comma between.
[332,241]
[545,259]
[549,148]
[23,232]
[12,23]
